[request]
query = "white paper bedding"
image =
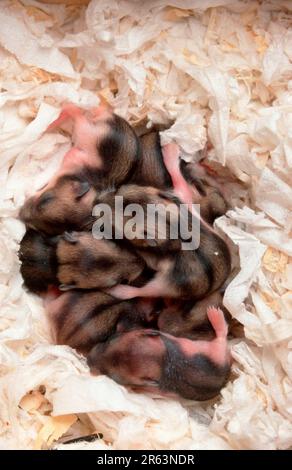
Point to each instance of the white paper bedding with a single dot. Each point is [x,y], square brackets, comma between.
[216,71]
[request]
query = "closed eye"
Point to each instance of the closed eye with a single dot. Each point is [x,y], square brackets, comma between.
[44,200]
[80,188]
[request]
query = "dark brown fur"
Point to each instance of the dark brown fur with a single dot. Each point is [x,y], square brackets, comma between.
[76,260]
[212,202]
[144,196]
[82,319]
[63,206]
[154,361]
[150,170]
[188,274]
[37,255]
[87,263]
[60,208]
[189,319]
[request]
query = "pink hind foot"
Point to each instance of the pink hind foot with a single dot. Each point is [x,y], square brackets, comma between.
[72,111]
[218,350]
[218,322]
[69,111]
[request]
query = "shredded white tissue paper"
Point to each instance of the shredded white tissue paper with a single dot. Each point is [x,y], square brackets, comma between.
[216,71]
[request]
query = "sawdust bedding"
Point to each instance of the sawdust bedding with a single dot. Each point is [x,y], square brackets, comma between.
[217,71]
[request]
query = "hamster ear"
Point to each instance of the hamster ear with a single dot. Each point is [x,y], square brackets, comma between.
[152,243]
[53,241]
[81,188]
[70,237]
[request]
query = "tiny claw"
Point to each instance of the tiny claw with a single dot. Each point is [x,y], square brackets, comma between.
[151,383]
[65,287]
[151,333]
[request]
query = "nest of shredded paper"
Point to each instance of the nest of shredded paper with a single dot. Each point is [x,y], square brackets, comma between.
[216,70]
